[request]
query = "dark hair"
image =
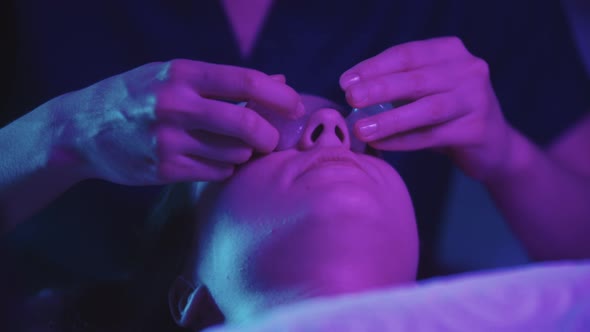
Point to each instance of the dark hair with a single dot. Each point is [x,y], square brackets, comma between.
[140,303]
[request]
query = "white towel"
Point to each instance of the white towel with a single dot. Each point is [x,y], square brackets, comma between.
[537,297]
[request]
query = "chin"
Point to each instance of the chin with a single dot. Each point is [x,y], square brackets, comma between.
[323,276]
[354,211]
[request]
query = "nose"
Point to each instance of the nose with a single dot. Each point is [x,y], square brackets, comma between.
[325,128]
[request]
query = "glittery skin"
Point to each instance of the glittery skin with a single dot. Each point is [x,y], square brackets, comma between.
[291,129]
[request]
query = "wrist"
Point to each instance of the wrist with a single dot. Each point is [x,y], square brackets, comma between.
[520,157]
[33,172]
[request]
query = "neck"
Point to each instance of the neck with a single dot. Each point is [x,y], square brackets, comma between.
[332,281]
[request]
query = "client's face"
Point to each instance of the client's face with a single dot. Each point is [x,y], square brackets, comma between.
[312,220]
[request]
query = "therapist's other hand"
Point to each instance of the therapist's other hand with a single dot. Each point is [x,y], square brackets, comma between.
[168,122]
[447,99]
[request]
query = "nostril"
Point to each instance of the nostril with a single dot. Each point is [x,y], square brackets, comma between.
[339,133]
[317,132]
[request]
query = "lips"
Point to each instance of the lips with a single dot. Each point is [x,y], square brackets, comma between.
[331,158]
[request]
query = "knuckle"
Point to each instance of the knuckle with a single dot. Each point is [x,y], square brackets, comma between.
[164,143]
[165,98]
[480,67]
[207,76]
[159,70]
[251,81]
[454,44]
[454,41]
[405,57]
[248,122]
[173,69]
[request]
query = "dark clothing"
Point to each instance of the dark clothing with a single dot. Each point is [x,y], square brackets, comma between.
[67,45]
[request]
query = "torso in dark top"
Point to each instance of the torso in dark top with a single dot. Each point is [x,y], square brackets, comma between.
[66,45]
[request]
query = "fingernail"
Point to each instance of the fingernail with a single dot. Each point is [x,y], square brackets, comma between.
[367,128]
[348,79]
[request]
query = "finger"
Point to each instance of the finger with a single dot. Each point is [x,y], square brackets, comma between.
[409,85]
[186,111]
[417,139]
[173,141]
[424,112]
[405,57]
[236,83]
[235,121]
[452,134]
[217,147]
[192,168]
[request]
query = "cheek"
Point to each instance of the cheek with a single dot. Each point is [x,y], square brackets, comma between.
[246,197]
[393,196]
[405,232]
[257,189]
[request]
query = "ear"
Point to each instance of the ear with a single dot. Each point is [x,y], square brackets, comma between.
[186,301]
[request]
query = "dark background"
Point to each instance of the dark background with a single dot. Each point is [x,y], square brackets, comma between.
[488,243]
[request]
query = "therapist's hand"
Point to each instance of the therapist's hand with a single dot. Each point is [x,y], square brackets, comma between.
[169,122]
[447,99]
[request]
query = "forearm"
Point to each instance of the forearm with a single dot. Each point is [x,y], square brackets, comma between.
[33,169]
[546,204]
